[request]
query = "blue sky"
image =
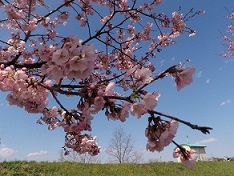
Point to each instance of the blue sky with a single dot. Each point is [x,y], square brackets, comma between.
[208,101]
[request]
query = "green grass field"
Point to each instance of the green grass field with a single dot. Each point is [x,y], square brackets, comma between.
[23,168]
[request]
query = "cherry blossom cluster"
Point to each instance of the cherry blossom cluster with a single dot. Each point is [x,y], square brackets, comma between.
[183,77]
[73,60]
[148,102]
[25,90]
[108,64]
[73,124]
[160,133]
[82,144]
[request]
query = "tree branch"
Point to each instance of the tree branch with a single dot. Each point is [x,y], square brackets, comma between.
[203,129]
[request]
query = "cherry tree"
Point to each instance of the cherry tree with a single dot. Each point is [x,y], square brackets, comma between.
[42,58]
[228,38]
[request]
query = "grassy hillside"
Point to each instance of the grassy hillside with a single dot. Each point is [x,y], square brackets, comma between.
[22,168]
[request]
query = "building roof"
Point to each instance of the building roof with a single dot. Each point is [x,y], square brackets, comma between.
[191,145]
[194,145]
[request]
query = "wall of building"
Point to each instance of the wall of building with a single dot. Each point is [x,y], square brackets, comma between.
[201,153]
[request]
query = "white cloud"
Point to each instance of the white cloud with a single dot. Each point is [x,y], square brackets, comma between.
[206,141]
[208,81]
[6,152]
[35,154]
[228,61]
[199,74]
[162,62]
[225,102]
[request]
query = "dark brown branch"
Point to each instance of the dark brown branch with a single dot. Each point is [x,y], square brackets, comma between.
[57,89]
[56,99]
[182,149]
[68,86]
[118,98]
[203,129]
[30,66]
[55,10]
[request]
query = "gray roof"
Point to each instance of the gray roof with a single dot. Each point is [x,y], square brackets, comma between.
[194,145]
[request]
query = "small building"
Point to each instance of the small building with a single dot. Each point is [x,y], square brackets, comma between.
[198,148]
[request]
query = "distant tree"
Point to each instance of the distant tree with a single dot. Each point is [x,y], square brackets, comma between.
[154,160]
[76,157]
[61,156]
[121,148]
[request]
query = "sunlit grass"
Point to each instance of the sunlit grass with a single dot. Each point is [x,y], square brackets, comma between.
[23,168]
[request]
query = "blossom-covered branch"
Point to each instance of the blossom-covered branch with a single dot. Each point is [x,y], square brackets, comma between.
[113,46]
[228,37]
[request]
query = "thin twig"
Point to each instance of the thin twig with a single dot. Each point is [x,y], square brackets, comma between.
[56,99]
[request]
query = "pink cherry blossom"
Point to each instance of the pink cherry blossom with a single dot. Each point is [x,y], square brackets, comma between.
[148,102]
[109,89]
[164,40]
[151,100]
[124,113]
[82,143]
[60,57]
[131,29]
[78,64]
[98,104]
[104,19]
[55,72]
[45,21]
[30,26]
[12,13]
[184,77]
[138,109]
[143,75]
[157,2]
[64,16]
[228,38]
[168,135]
[160,135]
[83,62]
[187,157]
[178,24]
[90,146]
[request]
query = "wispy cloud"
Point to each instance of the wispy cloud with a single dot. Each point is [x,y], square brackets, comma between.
[6,152]
[162,62]
[225,102]
[199,74]
[40,153]
[228,61]
[206,141]
[208,81]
